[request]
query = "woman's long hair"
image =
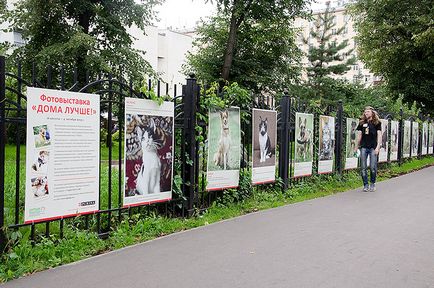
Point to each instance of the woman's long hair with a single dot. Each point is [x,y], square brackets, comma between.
[374,120]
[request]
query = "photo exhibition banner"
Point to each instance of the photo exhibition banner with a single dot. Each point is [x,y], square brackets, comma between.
[326,144]
[351,161]
[424,138]
[264,140]
[224,152]
[394,134]
[414,139]
[62,162]
[431,138]
[149,144]
[406,141]
[384,146]
[303,144]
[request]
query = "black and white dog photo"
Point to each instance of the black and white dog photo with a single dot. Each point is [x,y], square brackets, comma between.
[264,140]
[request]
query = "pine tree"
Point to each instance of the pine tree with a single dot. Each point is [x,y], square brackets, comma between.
[327,58]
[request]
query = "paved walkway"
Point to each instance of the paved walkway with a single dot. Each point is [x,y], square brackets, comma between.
[349,240]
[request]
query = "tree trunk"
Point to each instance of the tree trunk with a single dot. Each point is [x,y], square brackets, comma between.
[229,53]
[84,22]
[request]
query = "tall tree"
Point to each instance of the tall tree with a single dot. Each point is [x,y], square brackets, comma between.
[265,55]
[88,34]
[327,56]
[242,12]
[396,41]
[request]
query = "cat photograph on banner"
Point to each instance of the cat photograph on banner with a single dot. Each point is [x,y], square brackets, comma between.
[394,134]
[148,152]
[224,151]
[264,138]
[326,144]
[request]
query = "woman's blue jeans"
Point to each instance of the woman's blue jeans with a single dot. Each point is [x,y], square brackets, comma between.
[364,152]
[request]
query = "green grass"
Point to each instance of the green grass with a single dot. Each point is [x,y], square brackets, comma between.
[23,259]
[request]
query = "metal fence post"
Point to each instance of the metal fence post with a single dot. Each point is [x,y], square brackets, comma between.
[2,150]
[400,137]
[339,138]
[285,104]
[189,164]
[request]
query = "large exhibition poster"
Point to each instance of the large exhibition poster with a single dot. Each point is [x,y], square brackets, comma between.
[406,139]
[264,146]
[224,152]
[431,138]
[394,134]
[62,148]
[303,144]
[384,146]
[414,139]
[326,144]
[148,152]
[351,161]
[424,138]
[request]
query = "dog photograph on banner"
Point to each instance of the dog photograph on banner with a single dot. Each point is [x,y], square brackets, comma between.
[264,138]
[326,144]
[224,151]
[384,146]
[148,151]
[414,139]
[303,144]
[406,141]
[351,161]
[394,134]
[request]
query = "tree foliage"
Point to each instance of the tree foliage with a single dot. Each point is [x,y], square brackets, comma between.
[88,34]
[327,59]
[259,52]
[396,41]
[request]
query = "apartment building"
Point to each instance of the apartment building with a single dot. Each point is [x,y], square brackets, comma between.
[358,71]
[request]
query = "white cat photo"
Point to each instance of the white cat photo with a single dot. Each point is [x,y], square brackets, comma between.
[148,177]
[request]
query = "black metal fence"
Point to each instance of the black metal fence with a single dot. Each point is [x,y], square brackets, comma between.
[190,195]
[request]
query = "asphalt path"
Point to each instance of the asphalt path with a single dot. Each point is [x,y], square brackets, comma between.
[351,239]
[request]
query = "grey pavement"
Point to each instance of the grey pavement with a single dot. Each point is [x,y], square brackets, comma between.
[352,239]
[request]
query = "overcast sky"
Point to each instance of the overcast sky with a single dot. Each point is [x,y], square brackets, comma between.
[185,13]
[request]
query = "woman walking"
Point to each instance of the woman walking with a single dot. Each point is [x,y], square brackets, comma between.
[369,140]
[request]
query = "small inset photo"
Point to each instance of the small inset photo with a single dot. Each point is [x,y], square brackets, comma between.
[42,136]
[40,162]
[39,186]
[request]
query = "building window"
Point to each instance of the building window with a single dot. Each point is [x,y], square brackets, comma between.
[333,31]
[18,38]
[367,78]
[356,67]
